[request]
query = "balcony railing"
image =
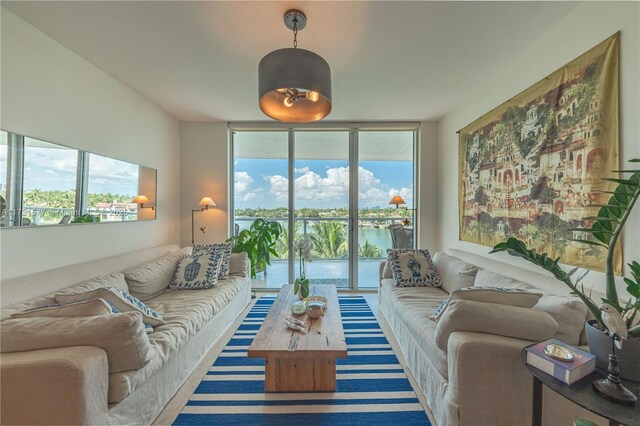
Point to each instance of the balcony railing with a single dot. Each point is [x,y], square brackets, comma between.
[330,263]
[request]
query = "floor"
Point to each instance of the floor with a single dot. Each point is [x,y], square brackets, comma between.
[172,409]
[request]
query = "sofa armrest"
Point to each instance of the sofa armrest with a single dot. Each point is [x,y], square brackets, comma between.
[487,377]
[54,386]
[380,272]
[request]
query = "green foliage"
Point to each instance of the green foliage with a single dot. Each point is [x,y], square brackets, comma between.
[517,248]
[329,239]
[605,230]
[369,250]
[258,242]
[301,286]
[85,218]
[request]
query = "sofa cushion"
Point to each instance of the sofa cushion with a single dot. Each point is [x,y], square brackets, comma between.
[239,265]
[122,336]
[492,318]
[197,271]
[121,300]
[486,278]
[387,271]
[413,306]
[413,268]
[224,249]
[501,296]
[185,313]
[454,272]
[148,280]
[84,308]
[569,312]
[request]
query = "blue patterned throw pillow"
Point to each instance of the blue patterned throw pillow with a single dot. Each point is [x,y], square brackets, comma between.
[197,272]
[224,248]
[120,301]
[413,268]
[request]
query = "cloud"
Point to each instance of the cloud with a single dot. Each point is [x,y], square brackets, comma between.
[311,186]
[301,169]
[241,182]
[243,186]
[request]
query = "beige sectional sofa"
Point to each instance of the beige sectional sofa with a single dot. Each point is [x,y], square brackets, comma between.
[73,385]
[477,378]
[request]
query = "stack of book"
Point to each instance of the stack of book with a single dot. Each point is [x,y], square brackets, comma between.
[568,372]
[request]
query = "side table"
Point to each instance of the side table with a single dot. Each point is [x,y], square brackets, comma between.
[583,394]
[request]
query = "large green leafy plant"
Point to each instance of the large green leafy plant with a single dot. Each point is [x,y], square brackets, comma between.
[259,243]
[605,231]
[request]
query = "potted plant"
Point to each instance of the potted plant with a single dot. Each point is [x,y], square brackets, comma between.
[258,242]
[605,231]
[301,285]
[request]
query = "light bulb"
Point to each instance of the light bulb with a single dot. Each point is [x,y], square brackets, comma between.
[313,96]
[288,102]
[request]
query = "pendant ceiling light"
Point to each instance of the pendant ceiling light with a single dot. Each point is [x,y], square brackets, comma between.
[294,84]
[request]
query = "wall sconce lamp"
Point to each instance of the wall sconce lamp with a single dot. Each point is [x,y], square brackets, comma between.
[397,200]
[141,200]
[206,202]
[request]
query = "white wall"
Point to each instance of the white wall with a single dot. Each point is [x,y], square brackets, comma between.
[584,27]
[204,168]
[50,93]
[427,186]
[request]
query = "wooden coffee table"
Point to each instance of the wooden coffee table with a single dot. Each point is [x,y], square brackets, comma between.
[297,362]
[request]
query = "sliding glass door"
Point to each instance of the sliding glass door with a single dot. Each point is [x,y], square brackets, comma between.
[332,187]
[321,203]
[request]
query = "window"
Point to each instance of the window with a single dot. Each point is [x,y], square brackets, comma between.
[42,183]
[333,186]
[111,185]
[3,178]
[49,182]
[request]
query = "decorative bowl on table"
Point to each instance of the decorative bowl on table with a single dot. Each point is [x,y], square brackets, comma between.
[317,299]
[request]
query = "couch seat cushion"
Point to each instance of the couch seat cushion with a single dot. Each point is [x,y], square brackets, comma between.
[185,313]
[414,306]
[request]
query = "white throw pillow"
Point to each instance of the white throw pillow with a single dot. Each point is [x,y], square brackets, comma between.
[499,296]
[569,312]
[486,278]
[413,268]
[454,272]
[493,318]
[84,308]
[224,248]
[122,301]
[122,336]
[239,264]
[151,279]
[197,272]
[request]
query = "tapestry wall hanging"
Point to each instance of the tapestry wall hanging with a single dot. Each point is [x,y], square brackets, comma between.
[532,167]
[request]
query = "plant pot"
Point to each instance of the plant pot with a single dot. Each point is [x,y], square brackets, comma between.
[628,356]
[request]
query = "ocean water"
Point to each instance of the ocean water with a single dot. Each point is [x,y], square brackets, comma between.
[376,236]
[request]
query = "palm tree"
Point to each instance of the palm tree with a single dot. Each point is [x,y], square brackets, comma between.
[329,240]
[282,245]
[369,250]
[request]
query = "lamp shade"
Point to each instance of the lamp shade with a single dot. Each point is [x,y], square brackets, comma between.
[300,69]
[141,199]
[397,200]
[207,202]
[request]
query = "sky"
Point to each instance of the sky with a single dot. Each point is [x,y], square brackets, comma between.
[320,183]
[55,169]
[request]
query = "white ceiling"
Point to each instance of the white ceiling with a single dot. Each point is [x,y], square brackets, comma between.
[389,60]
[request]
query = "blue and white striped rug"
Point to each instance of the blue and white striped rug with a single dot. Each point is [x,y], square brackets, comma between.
[372,388]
